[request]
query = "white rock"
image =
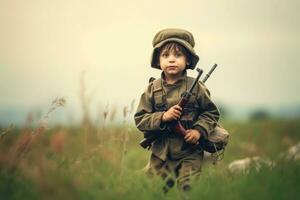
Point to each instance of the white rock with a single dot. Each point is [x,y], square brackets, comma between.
[293,153]
[243,165]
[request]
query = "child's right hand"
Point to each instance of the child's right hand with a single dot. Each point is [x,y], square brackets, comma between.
[173,113]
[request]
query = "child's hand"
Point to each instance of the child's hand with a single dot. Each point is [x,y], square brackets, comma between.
[172,114]
[192,136]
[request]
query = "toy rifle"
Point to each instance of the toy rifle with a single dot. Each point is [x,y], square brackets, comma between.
[176,126]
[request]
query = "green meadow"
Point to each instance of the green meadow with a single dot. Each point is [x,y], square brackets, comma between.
[88,162]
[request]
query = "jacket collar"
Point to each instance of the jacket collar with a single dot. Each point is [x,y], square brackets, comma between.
[182,78]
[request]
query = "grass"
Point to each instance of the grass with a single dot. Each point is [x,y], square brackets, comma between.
[89,163]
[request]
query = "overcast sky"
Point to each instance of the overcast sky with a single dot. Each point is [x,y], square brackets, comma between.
[45,45]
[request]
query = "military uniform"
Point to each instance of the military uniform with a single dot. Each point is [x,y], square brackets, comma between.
[171,155]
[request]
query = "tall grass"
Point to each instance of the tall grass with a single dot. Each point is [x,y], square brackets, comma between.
[88,161]
[60,164]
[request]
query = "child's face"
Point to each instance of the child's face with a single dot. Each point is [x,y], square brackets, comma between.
[172,62]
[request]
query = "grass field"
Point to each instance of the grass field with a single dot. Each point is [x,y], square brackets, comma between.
[85,162]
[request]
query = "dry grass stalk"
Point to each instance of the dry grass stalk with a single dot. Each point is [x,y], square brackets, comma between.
[105,114]
[29,119]
[125,113]
[90,133]
[23,145]
[124,141]
[5,131]
[132,106]
[113,113]
[58,102]
[123,153]
[85,100]
[57,142]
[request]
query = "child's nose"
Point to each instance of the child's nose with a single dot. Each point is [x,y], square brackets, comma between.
[171,58]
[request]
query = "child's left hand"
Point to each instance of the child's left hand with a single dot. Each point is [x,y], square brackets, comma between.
[192,136]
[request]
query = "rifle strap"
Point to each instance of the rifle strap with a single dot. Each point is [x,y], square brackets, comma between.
[159,95]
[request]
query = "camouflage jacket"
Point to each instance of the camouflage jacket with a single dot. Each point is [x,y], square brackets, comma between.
[200,113]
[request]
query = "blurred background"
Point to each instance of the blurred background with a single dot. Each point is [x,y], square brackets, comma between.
[99,52]
[72,72]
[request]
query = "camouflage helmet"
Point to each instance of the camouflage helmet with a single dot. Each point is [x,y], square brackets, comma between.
[180,36]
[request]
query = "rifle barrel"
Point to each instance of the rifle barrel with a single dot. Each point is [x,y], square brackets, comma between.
[200,72]
[209,73]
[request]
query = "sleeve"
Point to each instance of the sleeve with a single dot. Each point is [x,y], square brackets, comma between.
[146,119]
[209,113]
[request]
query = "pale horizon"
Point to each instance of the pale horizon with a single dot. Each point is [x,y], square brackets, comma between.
[46,45]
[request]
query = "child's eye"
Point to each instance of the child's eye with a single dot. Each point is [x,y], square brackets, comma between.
[178,54]
[165,55]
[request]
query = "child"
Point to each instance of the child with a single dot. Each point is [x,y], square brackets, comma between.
[172,154]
